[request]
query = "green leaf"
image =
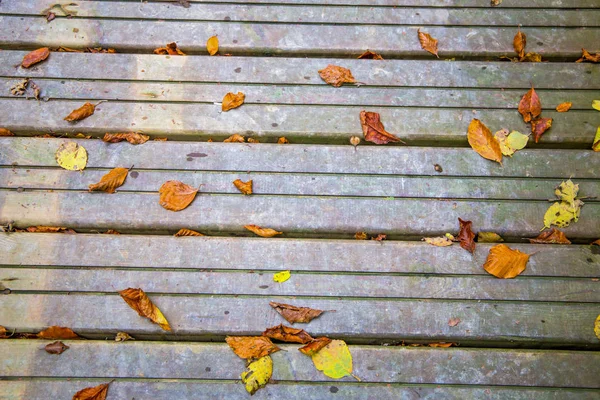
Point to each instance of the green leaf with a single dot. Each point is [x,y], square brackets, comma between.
[334,360]
[516,140]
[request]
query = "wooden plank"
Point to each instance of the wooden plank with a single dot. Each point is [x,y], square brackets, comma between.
[301,124]
[381,160]
[389,73]
[287,39]
[299,255]
[296,216]
[301,284]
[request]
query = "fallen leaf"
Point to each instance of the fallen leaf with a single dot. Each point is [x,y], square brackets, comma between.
[453,321]
[288,334]
[313,347]
[112,232]
[50,16]
[495,3]
[282,140]
[428,43]
[360,236]
[282,276]
[141,303]
[253,140]
[466,236]
[441,344]
[212,45]
[58,333]
[99,50]
[56,348]
[93,393]
[334,360]
[264,232]
[176,195]
[35,57]
[232,100]
[510,142]
[438,241]
[50,229]
[370,55]
[596,242]
[131,137]
[71,156]
[587,56]
[354,141]
[530,106]
[160,139]
[519,43]
[251,347]
[3,334]
[235,138]
[539,127]
[257,374]
[6,132]
[489,237]
[531,57]
[294,314]
[553,236]
[187,232]
[481,140]
[380,237]
[504,262]
[111,181]
[596,104]
[183,3]
[595,145]
[336,76]
[564,107]
[373,129]
[170,49]
[81,113]
[123,337]
[244,187]
[562,213]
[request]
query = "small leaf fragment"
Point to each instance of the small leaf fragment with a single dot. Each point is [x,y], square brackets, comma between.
[336,76]
[532,57]
[553,236]
[35,57]
[596,104]
[466,236]
[453,322]
[282,140]
[212,45]
[244,187]
[354,141]
[438,241]
[539,127]
[288,334]
[141,303]
[564,107]
[587,56]
[597,327]
[373,129]
[58,333]
[93,393]
[112,232]
[131,137]
[370,55]
[489,237]
[428,43]
[481,140]
[111,181]
[294,314]
[530,106]
[313,347]
[187,232]
[264,232]
[56,348]
[441,344]
[235,138]
[334,359]
[170,49]
[360,236]
[519,43]
[50,229]
[71,156]
[251,347]
[282,276]
[495,3]
[3,334]
[81,113]
[232,100]
[596,144]
[380,237]
[176,195]
[6,132]
[504,262]
[123,337]
[257,374]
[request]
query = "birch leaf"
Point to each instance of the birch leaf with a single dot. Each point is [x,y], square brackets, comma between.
[71,156]
[176,195]
[282,276]
[334,360]
[257,374]
[336,76]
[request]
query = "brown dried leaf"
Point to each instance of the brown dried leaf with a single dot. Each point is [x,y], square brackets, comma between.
[176,195]
[438,241]
[495,3]
[360,236]
[244,187]
[252,140]
[93,393]
[123,337]
[564,107]
[553,236]
[441,344]
[264,232]
[370,55]
[530,106]
[504,262]
[428,43]
[58,333]
[531,57]
[232,100]
[539,127]
[250,347]
[99,50]
[111,181]
[587,56]
[81,113]
[56,348]
[466,236]
[160,139]
[131,137]
[282,140]
[6,132]
[373,129]
[293,314]
[35,57]
[235,138]
[453,321]
[50,229]
[112,232]
[596,243]
[170,49]
[336,76]
[141,303]
[313,347]
[519,43]
[187,232]
[288,334]
[380,237]
[3,334]
[212,45]
[483,142]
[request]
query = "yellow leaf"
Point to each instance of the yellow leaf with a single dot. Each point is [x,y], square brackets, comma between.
[334,360]
[501,137]
[257,374]
[597,327]
[212,45]
[596,105]
[489,237]
[71,156]
[282,276]
[567,191]
[596,145]
[561,214]
[438,241]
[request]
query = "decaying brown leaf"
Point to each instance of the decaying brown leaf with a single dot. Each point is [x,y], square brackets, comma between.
[253,140]
[50,229]
[99,50]
[519,43]
[441,344]
[232,100]
[336,76]
[235,138]
[35,57]
[453,321]
[489,237]
[428,43]
[176,195]
[212,45]
[539,127]
[587,56]
[466,236]
[313,347]
[187,232]
[360,236]
[170,49]
[93,393]
[438,241]
[504,262]
[264,232]
[564,107]
[111,181]
[131,137]
[282,140]
[293,314]
[19,88]
[58,333]
[370,55]
[123,337]
[81,113]
[288,334]
[483,142]
[112,232]
[380,237]
[531,57]
[530,106]
[6,132]
[244,187]
[373,129]
[141,303]
[56,347]
[251,347]
[495,3]
[552,236]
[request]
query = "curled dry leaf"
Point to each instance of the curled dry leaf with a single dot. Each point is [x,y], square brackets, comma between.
[131,137]
[176,195]
[141,303]
[93,393]
[313,347]
[123,337]
[111,181]
[597,327]
[587,56]
[20,87]
[264,232]
[438,241]
[253,140]
[282,276]
[58,333]
[441,344]
[553,236]
[428,43]
[282,140]
[293,314]
[187,232]
[564,107]
[244,187]
[50,229]
[466,236]
[370,55]
[489,237]
[251,347]
[212,45]
[380,237]
[71,156]
[530,106]
[539,127]
[257,374]
[519,43]
[373,129]
[354,141]
[235,138]
[595,145]
[504,262]
[112,232]
[453,321]
[360,236]
[6,132]
[35,57]
[336,76]
[232,100]
[288,334]
[56,347]
[170,49]
[334,359]
[481,140]
[81,113]
[495,3]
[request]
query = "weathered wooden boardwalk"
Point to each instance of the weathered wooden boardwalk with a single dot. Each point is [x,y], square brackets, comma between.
[526,338]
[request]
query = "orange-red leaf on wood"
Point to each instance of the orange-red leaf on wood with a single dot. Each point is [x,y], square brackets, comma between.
[336,76]
[553,236]
[587,56]
[293,314]
[539,127]
[187,232]
[373,129]
[141,303]
[131,137]
[250,347]
[564,107]
[170,49]
[530,106]
[232,100]
[428,43]
[596,242]
[235,138]
[282,140]
[111,181]
[35,57]
[466,236]
[288,334]
[313,347]
[264,232]
[81,113]
[370,55]
[244,187]
[504,262]
[3,334]
[176,195]
[93,393]
[483,142]
[56,347]
[50,229]
[519,43]
[6,132]
[58,333]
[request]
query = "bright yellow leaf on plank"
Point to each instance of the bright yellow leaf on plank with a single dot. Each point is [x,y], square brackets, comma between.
[560,214]
[257,374]
[212,45]
[489,237]
[597,327]
[567,191]
[334,360]
[282,276]
[596,105]
[596,145]
[71,156]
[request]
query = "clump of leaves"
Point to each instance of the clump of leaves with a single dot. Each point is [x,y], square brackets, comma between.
[176,195]
[561,213]
[428,43]
[20,87]
[336,76]
[483,142]
[552,236]
[294,314]
[111,181]
[131,137]
[170,49]
[212,45]
[504,262]
[373,129]
[71,156]
[49,229]
[263,232]
[587,56]
[141,303]
[232,100]
[244,187]
[35,57]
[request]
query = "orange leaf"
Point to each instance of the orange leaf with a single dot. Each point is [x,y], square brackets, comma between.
[50,229]
[131,137]
[519,43]
[56,348]
[313,347]
[370,55]
[232,100]
[288,334]
[553,236]
[428,43]
[373,129]
[587,56]
[141,303]
[93,393]
[282,140]
[252,140]
[212,45]
[336,76]
[540,126]
[360,236]
[244,187]
[3,334]
[466,236]
[250,347]
[170,49]
[81,113]
[483,142]
[441,344]
[58,333]
[6,132]
[235,138]
[112,232]
[564,107]
[530,106]
[35,57]
[264,232]
[109,182]
[504,262]
[187,232]
[176,195]
[293,314]
[596,242]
